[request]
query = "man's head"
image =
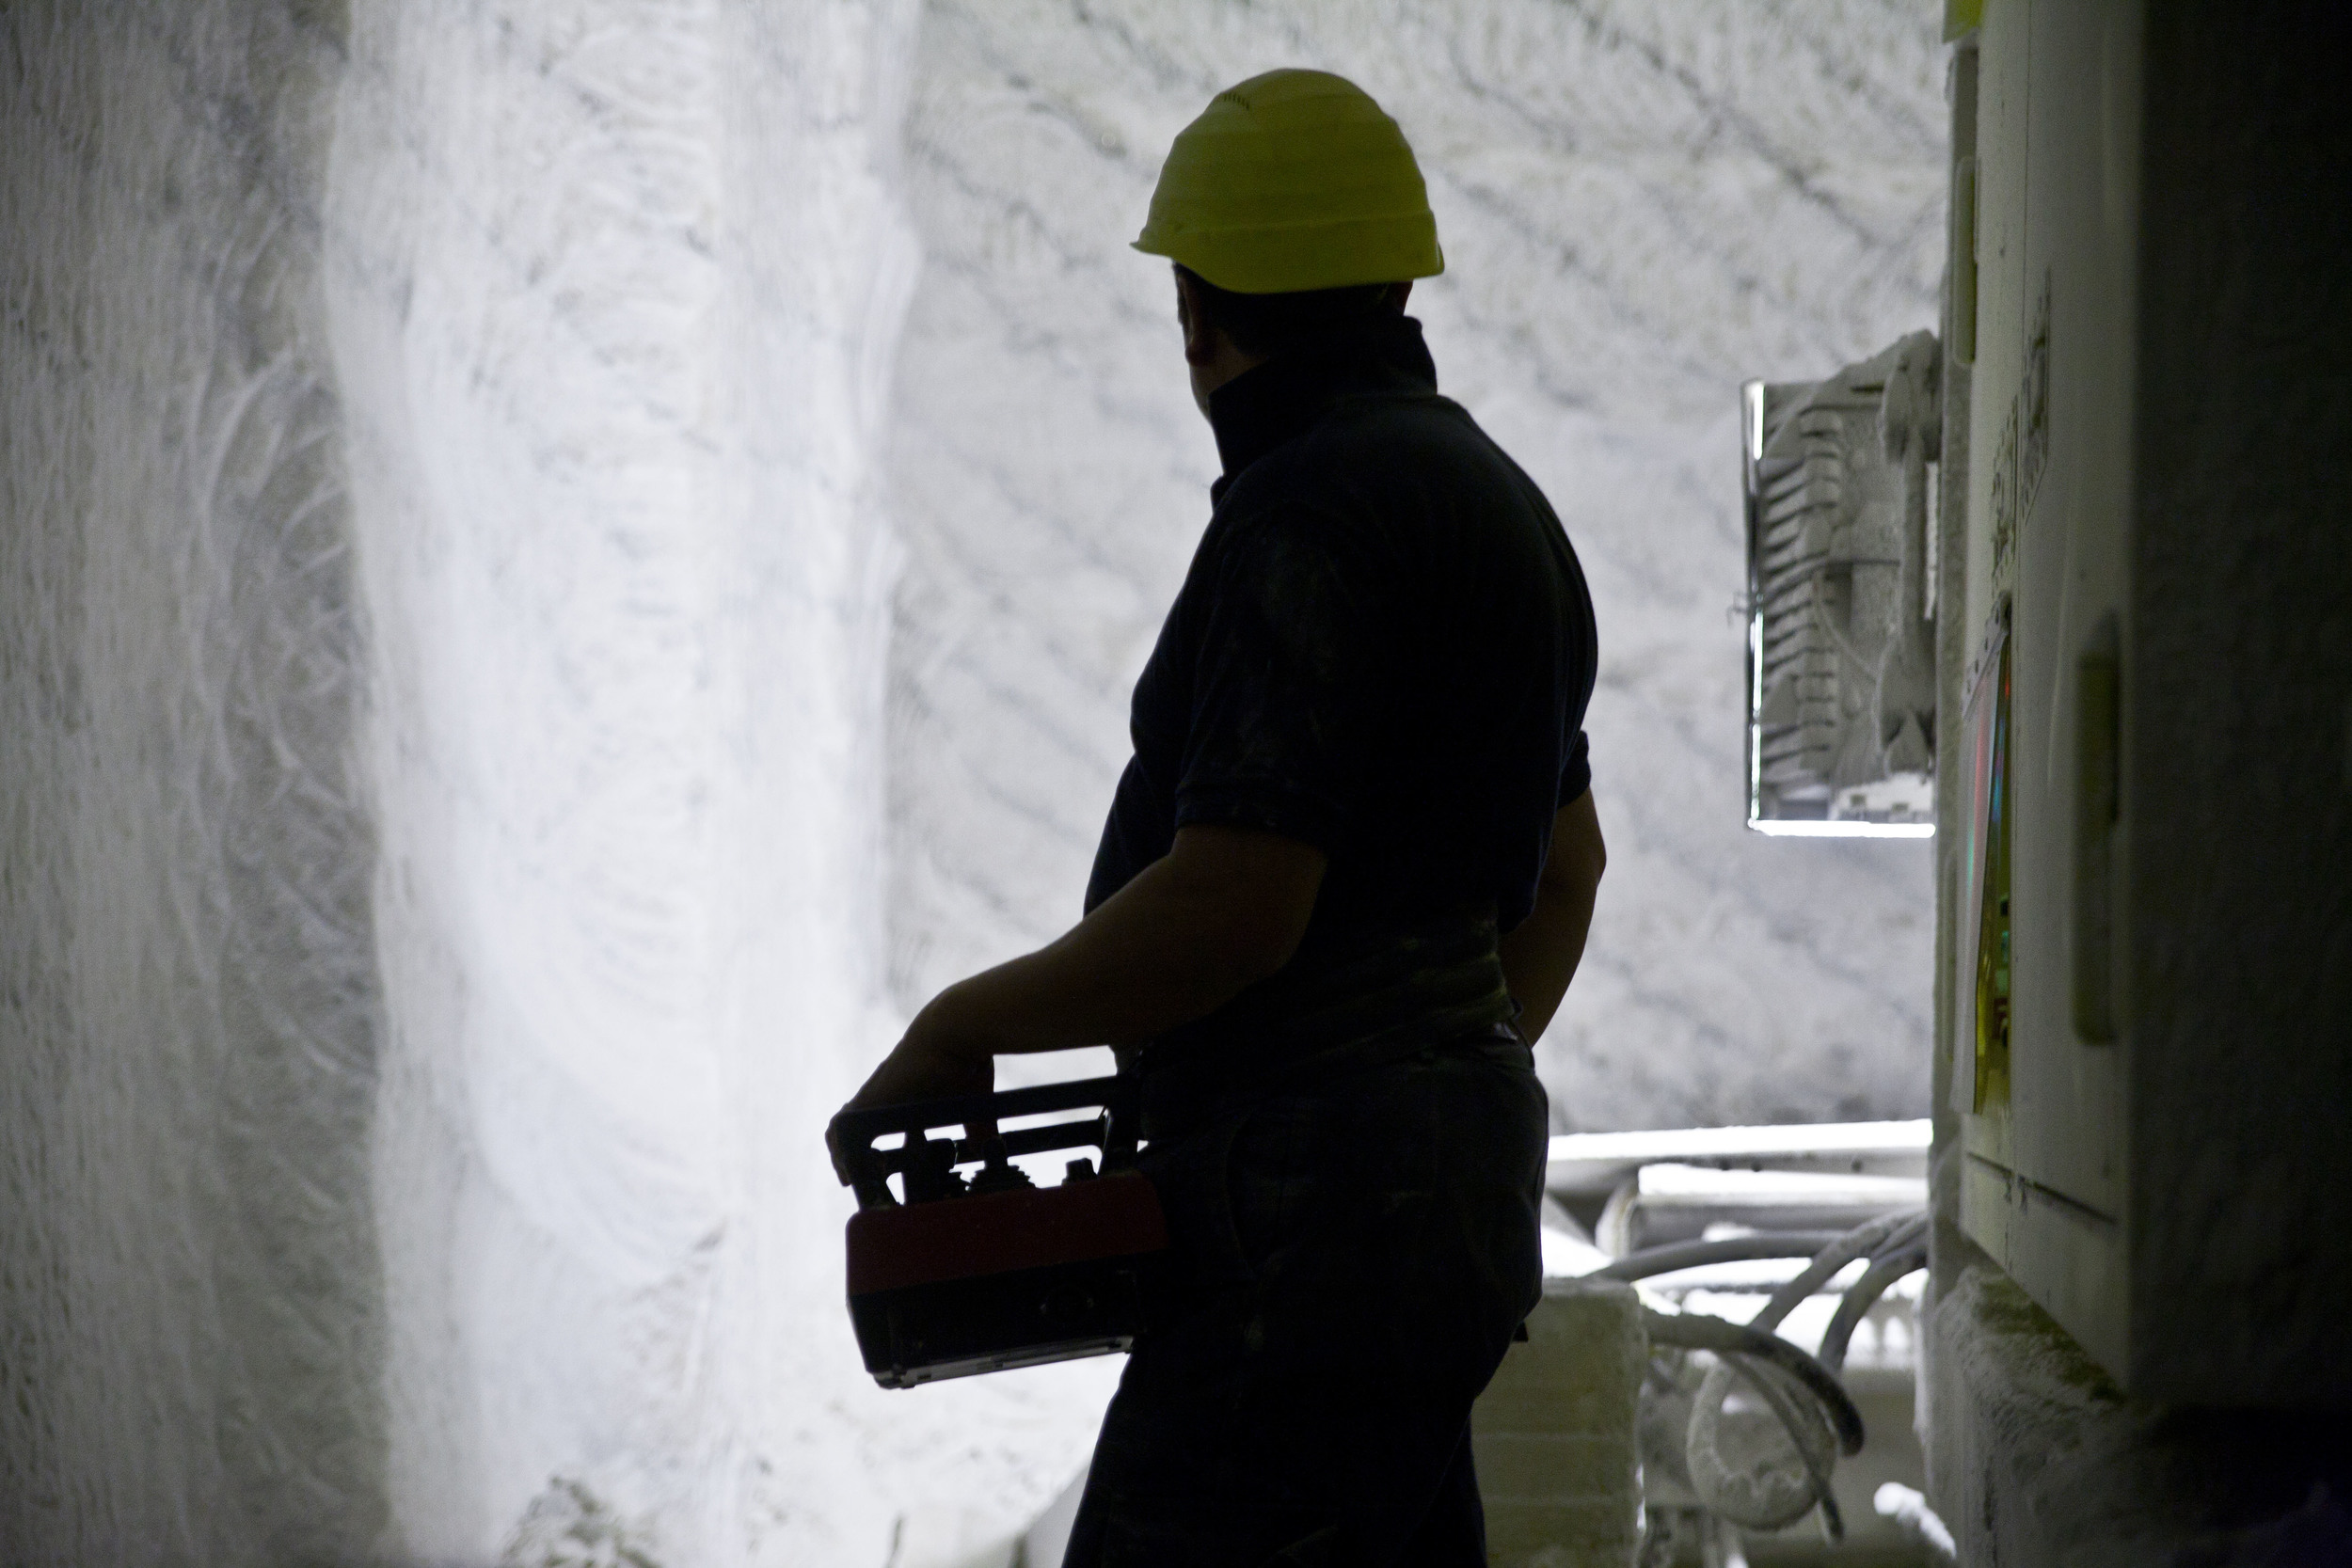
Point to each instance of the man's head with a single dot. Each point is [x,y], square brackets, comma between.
[1292,207]
[1226,333]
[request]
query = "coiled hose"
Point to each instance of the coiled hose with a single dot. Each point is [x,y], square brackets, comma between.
[1701,1331]
[1769,1497]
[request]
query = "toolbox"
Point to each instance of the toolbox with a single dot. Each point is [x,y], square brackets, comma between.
[953,1274]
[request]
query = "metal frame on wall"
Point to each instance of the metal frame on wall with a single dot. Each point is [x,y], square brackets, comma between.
[1759,818]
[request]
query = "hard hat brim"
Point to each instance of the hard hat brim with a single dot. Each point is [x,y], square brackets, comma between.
[1295,258]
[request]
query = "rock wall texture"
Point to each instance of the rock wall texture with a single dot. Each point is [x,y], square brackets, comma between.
[2037,1459]
[446,592]
[516,670]
[1641,206]
[601,277]
[192,1325]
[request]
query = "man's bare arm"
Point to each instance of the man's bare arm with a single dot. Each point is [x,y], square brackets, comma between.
[1224,908]
[1539,958]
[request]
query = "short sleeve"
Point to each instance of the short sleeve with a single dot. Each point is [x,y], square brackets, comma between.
[1576,771]
[1282,687]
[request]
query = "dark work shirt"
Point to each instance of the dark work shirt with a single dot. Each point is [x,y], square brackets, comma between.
[1384,648]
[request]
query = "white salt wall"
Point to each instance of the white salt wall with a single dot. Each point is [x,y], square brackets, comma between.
[445,608]
[191,1318]
[618,290]
[1642,205]
[460,780]
[618,286]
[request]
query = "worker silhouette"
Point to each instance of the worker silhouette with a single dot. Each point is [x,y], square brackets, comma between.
[1346,880]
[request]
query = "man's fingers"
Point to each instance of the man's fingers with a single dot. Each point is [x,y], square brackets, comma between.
[913,1073]
[835,1147]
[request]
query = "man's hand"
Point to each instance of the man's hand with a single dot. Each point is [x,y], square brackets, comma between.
[1225,907]
[1540,957]
[922,1066]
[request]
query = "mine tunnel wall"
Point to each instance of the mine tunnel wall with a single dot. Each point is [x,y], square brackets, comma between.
[194,1014]
[472,531]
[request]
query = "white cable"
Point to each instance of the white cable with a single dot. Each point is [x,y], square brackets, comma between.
[1769,1498]
[1910,1514]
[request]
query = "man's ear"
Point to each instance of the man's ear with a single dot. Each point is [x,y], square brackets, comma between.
[1203,340]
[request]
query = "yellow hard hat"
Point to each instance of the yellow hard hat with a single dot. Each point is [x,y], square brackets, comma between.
[1289,180]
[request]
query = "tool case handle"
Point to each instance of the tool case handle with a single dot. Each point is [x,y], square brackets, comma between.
[1113,1132]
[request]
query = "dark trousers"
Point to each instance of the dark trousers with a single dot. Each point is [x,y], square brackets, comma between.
[1354,1260]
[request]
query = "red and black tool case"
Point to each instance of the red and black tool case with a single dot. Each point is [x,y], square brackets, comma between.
[953,1274]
